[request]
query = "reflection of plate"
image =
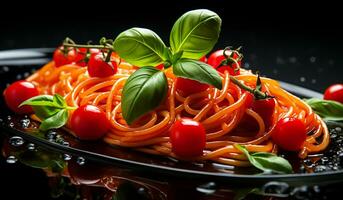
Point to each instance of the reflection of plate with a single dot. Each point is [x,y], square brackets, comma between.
[16,68]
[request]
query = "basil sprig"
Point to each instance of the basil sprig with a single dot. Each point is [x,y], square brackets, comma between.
[327,109]
[52,110]
[193,35]
[267,162]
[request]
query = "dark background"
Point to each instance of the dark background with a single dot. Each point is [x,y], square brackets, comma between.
[285,40]
[301,44]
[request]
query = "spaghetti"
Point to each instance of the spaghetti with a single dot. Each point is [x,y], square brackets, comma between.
[219,111]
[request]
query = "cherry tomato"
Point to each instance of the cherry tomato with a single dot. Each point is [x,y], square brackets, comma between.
[265,108]
[62,58]
[97,67]
[334,92]
[88,122]
[217,57]
[17,93]
[203,59]
[160,66]
[81,56]
[188,86]
[188,138]
[289,134]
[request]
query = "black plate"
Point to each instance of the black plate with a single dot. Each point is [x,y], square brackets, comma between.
[16,64]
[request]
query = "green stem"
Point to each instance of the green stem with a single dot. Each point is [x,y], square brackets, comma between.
[88,46]
[108,57]
[257,93]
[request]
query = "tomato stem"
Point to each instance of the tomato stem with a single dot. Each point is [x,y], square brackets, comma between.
[257,93]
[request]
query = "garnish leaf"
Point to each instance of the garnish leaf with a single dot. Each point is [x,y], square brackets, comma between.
[52,110]
[195,32]
[199,71]
[140,47]
[267,162]
[327,109]
[144,90]
[55,121]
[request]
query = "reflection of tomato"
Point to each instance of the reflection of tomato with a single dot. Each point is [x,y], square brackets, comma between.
[88,173]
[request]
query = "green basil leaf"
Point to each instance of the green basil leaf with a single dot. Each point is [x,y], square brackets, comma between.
[43,112]
[59,100]
[140,47]
[144,90]
[270,161]
[55,121]
[199,71]
[266,162]
[195,32]
[328,110]
[41,100]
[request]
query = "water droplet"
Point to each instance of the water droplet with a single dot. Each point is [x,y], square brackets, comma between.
[280,60]
[302,79]
[293,59]
[11,124]
[16,141]
[19,76]
[67,157]
[320,168]
[80,161]
[208,188]
[9,117]
[246,65]
[51,135]
[65,143]
[313,81]
[26,74]
[31,146]
[313,59]
[5,68]
[11,160]
[275,187]
[338,129]
[1,120]
[25,123]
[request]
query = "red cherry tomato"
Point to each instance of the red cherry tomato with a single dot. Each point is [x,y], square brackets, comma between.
[82,54]
[188,138]
[88,122]
[334,92]
[17,93]
[217,57]
[97,67]
[289,134]
[160,66]
[203,59]
[61,58]
[188,86]
[265,108]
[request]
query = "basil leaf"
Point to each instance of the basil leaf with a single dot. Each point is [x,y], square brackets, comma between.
[59,100]
[55,121]
[144,90]
[140,47]
[270,161]
[195,32]
[199,71]
[41,100]
[327,109]
[266,162]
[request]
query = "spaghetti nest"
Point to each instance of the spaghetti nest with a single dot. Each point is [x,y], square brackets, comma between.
[220,112]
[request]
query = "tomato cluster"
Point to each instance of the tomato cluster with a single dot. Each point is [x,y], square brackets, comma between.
[94,59]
